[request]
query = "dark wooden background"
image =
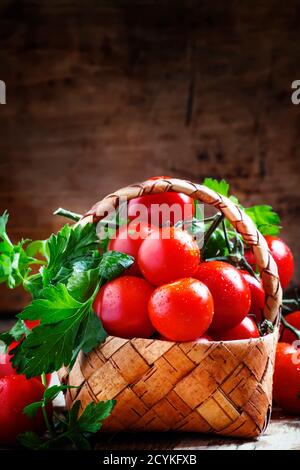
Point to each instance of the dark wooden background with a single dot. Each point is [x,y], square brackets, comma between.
[104,93]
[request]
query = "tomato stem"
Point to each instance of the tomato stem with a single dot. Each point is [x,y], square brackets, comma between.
[68,214]
[290,327]
[212,228]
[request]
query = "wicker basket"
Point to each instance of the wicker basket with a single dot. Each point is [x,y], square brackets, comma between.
[217,387]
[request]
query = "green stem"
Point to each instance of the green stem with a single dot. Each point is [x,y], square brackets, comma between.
[226,236]
[212,228]
[68,214]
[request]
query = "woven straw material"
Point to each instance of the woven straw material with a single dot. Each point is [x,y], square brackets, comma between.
[216,387]
[222,388]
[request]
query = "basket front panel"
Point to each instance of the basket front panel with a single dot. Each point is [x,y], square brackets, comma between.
[223,388]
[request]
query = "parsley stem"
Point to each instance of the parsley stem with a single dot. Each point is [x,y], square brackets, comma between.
[44,411]
[68,214]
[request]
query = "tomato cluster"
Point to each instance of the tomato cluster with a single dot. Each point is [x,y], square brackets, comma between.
[170,293]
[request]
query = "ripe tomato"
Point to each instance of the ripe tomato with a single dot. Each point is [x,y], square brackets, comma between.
[286,381]
[182,310]
[257,295]
[177,206]
[128,239]
[168,254]
[122,306]
[250,258]
[6,367]
[283,258]
[203,339]
[15,393]
[230,291]
[244,330]
[287,335]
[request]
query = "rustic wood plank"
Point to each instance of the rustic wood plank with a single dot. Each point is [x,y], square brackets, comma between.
[127,90]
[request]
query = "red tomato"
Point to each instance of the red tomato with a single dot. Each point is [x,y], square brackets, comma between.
[293,319]
[230,291]
[286,381]
[182,310]
[250,258]
[203,339]
[283,258]
[257,295]
[168,254]
[6,367]
[15,393]
[176,207]
[128,239]
[122,306]
[244,330]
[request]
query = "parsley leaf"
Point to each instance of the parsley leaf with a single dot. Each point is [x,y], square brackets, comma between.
[67,326]
[70,427]
[17,332]
[113,264]
[67,247]
[15,261]
[266,220]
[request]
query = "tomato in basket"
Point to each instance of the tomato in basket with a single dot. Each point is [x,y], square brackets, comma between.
[163,208]
[230,291]
[122,306]
[128,240]
[244,330]
[168,254]
[257,294]
[182,310]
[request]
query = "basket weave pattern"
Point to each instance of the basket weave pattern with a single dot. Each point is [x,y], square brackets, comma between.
[216,387]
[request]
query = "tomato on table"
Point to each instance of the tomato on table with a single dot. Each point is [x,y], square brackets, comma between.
[244,330]
[168,254]
[16,392]
[287,335]
[283,257]
[257,294]
[122,306]
[128,240]
[286,380]
[230,291]
[175,207]
[182,310]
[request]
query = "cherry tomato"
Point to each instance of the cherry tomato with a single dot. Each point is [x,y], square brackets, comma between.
[257,295]
[6,367]
[168,254]
[203,339]
[16,392]
[244,330]
[128,239]
[286,381]
[122,306]
[283,258]
[230,291]
[182,310]
[250,258]
[177,206]
[293,319]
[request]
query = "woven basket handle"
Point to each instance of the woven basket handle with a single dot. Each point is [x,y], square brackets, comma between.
[240,221]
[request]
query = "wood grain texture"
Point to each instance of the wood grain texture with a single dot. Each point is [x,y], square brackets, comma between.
[101,94]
